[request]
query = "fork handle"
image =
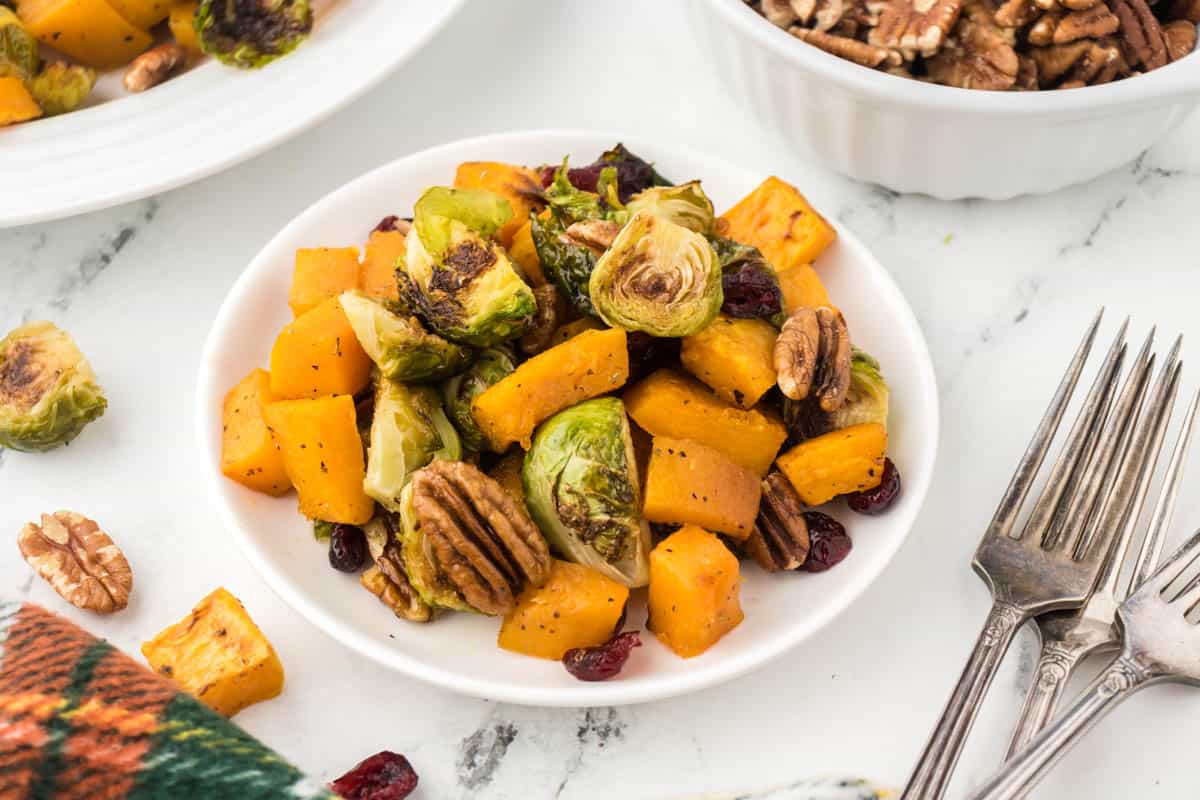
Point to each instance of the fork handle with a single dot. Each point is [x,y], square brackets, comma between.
[936,765]
[1016,778]
[1055,666]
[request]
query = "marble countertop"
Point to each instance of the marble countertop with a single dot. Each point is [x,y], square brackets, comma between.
[1002,290]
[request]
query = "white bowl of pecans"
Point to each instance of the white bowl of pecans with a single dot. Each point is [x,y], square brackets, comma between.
[961,98]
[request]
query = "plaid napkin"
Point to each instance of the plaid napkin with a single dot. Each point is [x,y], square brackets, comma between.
[79,720]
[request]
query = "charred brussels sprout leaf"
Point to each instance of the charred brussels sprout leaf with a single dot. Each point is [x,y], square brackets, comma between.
[567,201]
[401,348]
[419,564]
[568,266]
[657,277]
[249,34]
[633,174]
[459,392]
[18,50]
[409,430]
[48,392]
[867,401]
[748,281]
[60,88]
[581,487]
[685,205]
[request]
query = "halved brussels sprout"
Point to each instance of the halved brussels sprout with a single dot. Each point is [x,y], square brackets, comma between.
[866,401]
[249,34]
[459,281]
[459,392]
[657,277]
[401,348]
[60,88]
[409,430]
[685,205]
[48,391]
[19,55]
[581,487]
[419,562]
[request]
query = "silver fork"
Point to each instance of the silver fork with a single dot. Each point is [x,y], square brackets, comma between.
[1161,644]
[1069,637]
[1042,568]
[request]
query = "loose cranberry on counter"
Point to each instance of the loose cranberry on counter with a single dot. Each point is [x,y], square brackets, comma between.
[383,776]
[603,661]
[878,500]
[829,543]
[347,548]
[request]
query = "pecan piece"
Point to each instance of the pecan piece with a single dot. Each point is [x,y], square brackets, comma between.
[551,312]
[780,12]
[1056,61]
[596,235]
[977,56]
[1185,9]
[779,540]
[1027,73]
[821,15]
[79,560]
[913,26]
[812,355]
[861,53]
[404,602]
[1041,33]
[1091,23]
[1016,13]
[483,539]
[1180,36]
[154,66]
[1141,32]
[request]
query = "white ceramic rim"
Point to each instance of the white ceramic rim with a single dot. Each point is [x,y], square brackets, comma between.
[587,694]
[1179,78]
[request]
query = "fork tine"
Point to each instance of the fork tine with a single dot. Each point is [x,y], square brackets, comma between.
[1175,565]
[1035,453]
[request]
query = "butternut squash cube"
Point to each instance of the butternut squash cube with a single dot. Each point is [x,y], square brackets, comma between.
[218,655]
[323,454]
[318,354]
[180,21]
[694,587]
[576,607]
[669,403]
[736,357]
[249,454]
[691,484]
[777,220]
[89,31]
[16,103]
[144,14]
[841,461]
[585,366]
[377,277]
[525,256]
[321,273]
[802,287]
[575,327]
[520,186]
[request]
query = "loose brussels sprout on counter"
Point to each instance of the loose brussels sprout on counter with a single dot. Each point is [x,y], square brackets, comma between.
[685,205]
[459,392]
[48,391]
[60,88]
[657,277]
[399,346]
[419,565]
[409,429]
[252,33]
[455,277]
[581,488]
[866,401]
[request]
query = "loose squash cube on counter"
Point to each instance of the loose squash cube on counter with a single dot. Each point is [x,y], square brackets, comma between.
[323,453]
[377,277]
[89,31]
[576,607]
[669,403]
[525,256]
[694,588]
[249,454]
[317,354]
[16,103]
[520,186]
[735,357]
[321,273]
[691,484]
[180,20]
[802,286]
[777,220]
[585,366]
[218,655]
[841,461]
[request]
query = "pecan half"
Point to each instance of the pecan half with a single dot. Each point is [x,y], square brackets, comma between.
[596,235]
[551,312]
[482,539]
[913,26]
[867,55]
[975,57]
[812,354]
[1180,36]
[780,539]
[154,66]
[79,560]
[821,15]
[1016,13]
[1141,32]
[404,602]
[1091,23]
[1054,62]
[1185,9]
[780,12]
[1041,33]
[1027,73]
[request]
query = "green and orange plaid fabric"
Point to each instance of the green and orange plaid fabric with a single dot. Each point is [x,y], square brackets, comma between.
[80,720]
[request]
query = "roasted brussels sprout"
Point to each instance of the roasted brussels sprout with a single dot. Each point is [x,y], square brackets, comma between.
[581,487]
[409,430]
[657,277]
[685,205]
[567,201]
[459,392]
[633,174]
[456,278]
[419,562]
[19,56]
[60,88]
[249,34]
[48,392]
[866,401]
[749,283]
[322,530]
[569,266]
[401,348]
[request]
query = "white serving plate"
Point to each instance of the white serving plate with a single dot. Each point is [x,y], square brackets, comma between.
[458,651]
[129,146]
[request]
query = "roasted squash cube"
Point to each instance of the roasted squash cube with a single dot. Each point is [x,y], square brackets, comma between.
[377,278]
[575,327]
[180,21]
[669,403]
[588,365]
[323,454]
[525,256]
[777,220]
[802,287]
[16,103]
[691,484]
[219,655]
[520,186]
[841,461]
[694,586]
[321,273]
[507,473]
[89,31]
[317,354]
[249,454]
[576,607]
[144,14]
[736,357]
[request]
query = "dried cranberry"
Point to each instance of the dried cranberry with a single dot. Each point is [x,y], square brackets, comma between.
[386,224]
[828,542]
[347,548]
[880,499]
[750,293]
[603,661]
[633,174]
[383,776]
[647,353]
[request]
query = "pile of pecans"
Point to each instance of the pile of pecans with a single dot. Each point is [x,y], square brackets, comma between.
[1020,45]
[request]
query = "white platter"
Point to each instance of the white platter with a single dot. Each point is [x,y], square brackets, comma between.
[459,651]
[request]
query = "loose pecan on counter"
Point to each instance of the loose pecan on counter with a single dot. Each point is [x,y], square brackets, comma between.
[79,560]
